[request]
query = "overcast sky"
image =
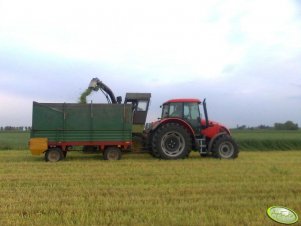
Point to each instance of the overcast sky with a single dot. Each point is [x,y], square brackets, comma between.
[243,56]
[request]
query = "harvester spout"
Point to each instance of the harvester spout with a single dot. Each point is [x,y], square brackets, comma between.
[93,84]
[96,84]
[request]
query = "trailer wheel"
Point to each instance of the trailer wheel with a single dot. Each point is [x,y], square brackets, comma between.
[112,153]
[225,147]
[172,141]
[54,155]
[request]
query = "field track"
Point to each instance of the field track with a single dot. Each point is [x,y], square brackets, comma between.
[141,190]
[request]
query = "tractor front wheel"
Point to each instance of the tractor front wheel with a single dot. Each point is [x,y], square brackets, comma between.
[225,147]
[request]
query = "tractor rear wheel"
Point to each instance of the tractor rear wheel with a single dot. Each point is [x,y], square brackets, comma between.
[112,153]
[171,141]
[225,147]
[54,155]
[155,153]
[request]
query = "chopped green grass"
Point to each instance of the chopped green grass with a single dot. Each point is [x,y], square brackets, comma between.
[83,96]
[141,190]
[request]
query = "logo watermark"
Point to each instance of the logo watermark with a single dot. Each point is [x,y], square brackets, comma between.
[282,215]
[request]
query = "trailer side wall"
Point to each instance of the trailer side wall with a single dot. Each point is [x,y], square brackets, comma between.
[64,122]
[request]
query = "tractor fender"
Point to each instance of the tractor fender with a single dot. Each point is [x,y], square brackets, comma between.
[173,120]
[214,138]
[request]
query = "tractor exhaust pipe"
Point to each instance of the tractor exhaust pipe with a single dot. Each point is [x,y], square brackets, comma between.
[206,113]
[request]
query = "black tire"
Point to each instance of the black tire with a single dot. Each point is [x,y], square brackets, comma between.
[155,153]
[225,147]
[171,141]
[54,155]
[65,154]
[112,153]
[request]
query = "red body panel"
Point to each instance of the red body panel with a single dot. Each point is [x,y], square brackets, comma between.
[101,144]
[167,120]
[213,129]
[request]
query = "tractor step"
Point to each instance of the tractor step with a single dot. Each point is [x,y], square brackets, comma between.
[201,142]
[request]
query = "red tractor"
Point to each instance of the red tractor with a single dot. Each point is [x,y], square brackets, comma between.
[181,130]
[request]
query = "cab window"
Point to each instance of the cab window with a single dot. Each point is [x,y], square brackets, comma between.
[191,111]
[142,105]
[165,111]
[176,110]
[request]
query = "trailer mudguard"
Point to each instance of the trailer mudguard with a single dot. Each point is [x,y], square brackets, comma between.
[38,146]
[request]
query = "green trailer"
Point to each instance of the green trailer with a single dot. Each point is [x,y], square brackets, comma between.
[56,127]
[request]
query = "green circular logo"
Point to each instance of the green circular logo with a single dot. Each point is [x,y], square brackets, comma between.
[282,215]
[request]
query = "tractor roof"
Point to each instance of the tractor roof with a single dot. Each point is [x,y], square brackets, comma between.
[183,100]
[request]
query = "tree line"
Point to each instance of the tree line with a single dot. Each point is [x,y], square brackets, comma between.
[15,128]
[288,125]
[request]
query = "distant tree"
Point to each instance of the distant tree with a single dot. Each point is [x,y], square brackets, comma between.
[263,127]
[15,128]
[241,127]
[288,125]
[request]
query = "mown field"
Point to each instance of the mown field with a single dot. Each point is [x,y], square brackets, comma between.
[141,190]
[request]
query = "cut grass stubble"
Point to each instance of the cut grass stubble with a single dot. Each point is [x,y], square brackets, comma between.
[140,190]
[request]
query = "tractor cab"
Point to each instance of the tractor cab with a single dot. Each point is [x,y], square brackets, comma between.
[185,109]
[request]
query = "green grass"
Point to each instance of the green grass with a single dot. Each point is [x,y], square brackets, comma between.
[141,190]
[248,140]
[14,140]
[268,140]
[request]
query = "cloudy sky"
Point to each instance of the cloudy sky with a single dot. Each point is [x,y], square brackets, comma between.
[243,56]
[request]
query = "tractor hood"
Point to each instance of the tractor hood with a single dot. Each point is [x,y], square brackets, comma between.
[211,123]
[213,128]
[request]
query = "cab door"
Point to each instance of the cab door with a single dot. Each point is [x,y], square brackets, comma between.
[192,115]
